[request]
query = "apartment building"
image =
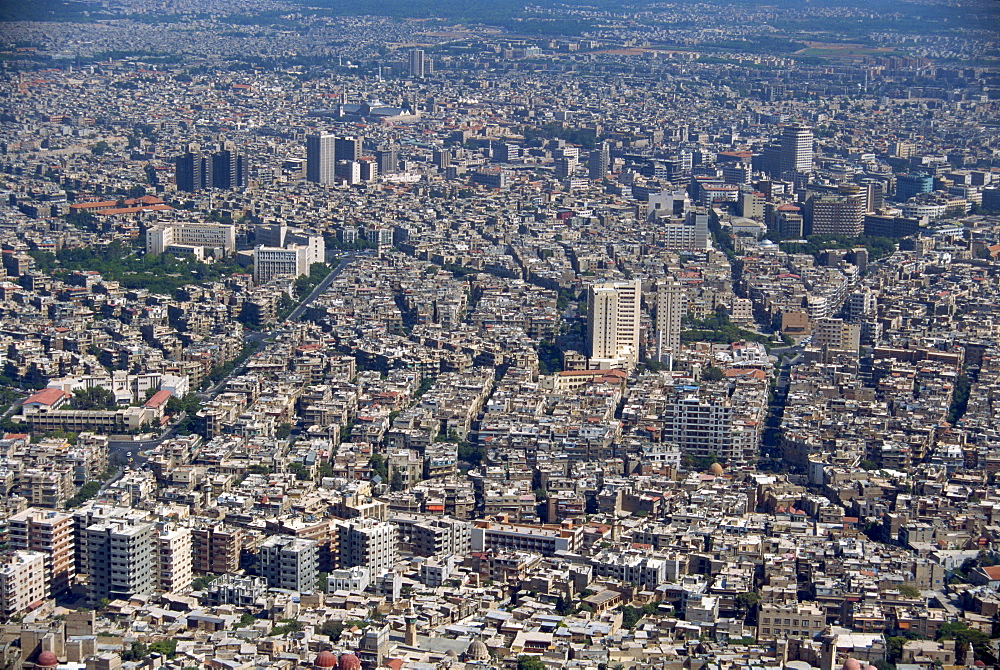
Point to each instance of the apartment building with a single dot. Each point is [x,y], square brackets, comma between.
[121,559]
[369,543]
[22,581]
[289,562]
[51,533]
[174,558]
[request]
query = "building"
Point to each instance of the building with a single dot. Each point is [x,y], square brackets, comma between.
[235,590]
[178,237]
[216,550]
[121,560]
[353,580]
[781,621]
[226,168]
[419,64]
[909,185]
[796,149]
[51,533]
[599,162]
[271,262]
[613,320]
[290,563]
[369,543]
[490,535]
[320,158]
[670,307]
[840,215]
[22,582]
[348,149]
[388,159]
[174,558]
[426,535]
[836,334]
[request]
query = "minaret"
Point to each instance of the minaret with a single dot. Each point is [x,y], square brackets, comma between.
[411,628]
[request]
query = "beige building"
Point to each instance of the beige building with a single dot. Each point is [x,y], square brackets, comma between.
[776,621]
[22,581]
[51,533]
[174,558]
[182,237]
[835,334]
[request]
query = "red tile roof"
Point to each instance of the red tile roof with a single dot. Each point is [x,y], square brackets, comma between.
[46,397]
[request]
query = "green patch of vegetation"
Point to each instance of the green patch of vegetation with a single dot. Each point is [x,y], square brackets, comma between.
[959,398]
[632,615]
[286,626]
[720,330]
[162,274]
[878,247]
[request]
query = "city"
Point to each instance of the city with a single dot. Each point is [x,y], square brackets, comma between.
[444,335]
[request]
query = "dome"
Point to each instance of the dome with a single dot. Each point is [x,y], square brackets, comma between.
[477,651]
[715,468]
[325,659]
[852,664]
[47,659]
[348,661]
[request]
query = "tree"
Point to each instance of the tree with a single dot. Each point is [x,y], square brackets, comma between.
[332,629]
[909,591]
[378,466]
[100,148]
[396,481]
[283,430]
[95,397]
[713,374]
[202,582]
[747,601]
[529,663]
[321,581]
[166,647]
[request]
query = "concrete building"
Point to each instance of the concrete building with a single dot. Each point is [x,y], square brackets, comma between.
[670,306]
[22,581]
[369,543]
[836,334]
[289,563]
[353,580]
[271,262]
[174,558]
[320,159]
[51,533]
[841,215]
[121,559]
[488,534]
[179,237]
[216,550]
[796,149]
[613,319]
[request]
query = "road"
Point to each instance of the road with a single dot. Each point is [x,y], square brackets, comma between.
[123,448]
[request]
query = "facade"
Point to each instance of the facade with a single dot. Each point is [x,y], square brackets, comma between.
[796,149]
[670,307]
[320,159]
[353,580]
[836,334]
[418,64]
[121,559]
[174,557]
[52,534]
[271,262]
[225,168]
[348,149]
[781,622]
[426,535]
[22,581]
[289,563]
[489,535]
[613,319]
[841,215]
[161,238]
[713,420]
[369,543]
[216,550]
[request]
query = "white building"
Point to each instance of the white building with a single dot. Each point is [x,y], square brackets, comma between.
[353,580]
[180,237]
[613,321]
[369,543]
[121,560]
[271,262]
[289,563]
[320,153]
[670,307]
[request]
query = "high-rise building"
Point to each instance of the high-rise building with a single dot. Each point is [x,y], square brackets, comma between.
[599,162]
[216,550]
[841,215]
[174,556]
[418,64]
[290,562]
[121,559]
[796,149]
[51,533]
[348,148]
[369,543]
[195,170]
[320,159]
[909,185]
[388,159]
[229,167]
[670,306]
[613,319]
[441,158]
